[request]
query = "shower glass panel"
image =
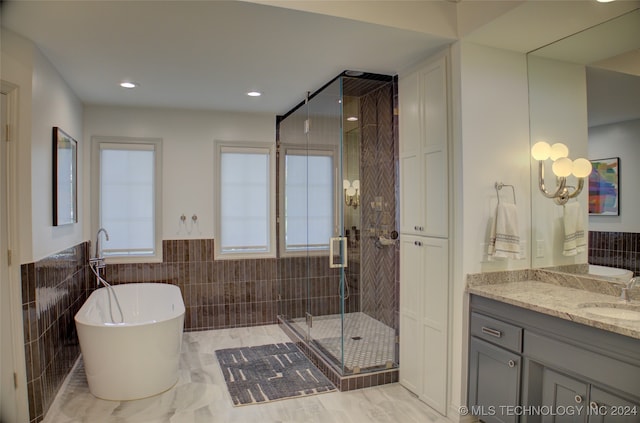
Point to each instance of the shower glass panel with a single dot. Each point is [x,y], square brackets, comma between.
[336,199]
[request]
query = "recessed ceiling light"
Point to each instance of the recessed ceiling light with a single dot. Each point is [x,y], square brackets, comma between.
[352,118]
[254,94]
[129,84]
[605,1]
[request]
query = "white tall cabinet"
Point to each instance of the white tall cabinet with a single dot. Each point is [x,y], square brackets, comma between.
[424,226]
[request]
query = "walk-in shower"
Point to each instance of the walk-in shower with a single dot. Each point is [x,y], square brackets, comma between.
[337,223]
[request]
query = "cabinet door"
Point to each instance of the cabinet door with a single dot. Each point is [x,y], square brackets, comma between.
[494,382]
[411,273]
[435,130]
[608,408]
[434,322]
[411,201]
[424,288]
[424,158]
[565,397]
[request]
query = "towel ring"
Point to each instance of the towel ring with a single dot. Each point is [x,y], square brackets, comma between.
[500,185]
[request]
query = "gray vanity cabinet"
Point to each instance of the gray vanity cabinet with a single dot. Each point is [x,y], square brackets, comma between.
[589,403]
[561,392]
[494,369]
[494,380]
[530,367]
[609,408]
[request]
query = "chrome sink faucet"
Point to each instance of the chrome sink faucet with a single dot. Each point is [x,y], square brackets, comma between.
[625,291]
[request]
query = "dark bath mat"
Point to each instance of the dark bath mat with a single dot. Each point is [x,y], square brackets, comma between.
[270,372]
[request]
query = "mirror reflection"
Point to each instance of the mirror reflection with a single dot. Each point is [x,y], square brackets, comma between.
[585,93]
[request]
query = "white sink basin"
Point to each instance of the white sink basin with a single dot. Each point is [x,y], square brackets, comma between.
[620,311]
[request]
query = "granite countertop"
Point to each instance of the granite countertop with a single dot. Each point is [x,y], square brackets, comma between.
[561,301]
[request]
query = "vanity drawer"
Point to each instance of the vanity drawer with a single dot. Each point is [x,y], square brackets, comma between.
[496,332]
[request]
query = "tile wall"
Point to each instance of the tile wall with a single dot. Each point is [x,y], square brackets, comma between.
[378,162]
[615,249]
[53,290]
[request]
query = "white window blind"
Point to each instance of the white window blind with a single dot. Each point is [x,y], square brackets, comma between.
[309,200]
[245,200]
[127,198]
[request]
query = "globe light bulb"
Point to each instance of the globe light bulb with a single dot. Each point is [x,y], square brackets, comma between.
[541,150]
[558,150]
[346,184]
[581,168]
[562,167]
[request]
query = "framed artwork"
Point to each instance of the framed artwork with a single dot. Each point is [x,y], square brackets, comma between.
[604,187]
[65,178]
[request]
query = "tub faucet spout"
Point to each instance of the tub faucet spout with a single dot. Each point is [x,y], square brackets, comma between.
[625,291]
[98,261]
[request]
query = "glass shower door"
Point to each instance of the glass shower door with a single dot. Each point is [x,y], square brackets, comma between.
[328,267]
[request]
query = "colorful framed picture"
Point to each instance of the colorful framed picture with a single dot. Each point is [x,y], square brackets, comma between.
[604,187]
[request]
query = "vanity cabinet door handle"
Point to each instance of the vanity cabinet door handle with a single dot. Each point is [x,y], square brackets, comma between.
[512,364]
[578,399]
[418,243]
[491,332]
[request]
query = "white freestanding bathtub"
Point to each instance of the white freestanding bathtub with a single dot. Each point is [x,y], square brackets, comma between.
[138,358]
[620,275]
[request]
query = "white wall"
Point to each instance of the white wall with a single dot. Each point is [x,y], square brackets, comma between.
[45,101]
[495,118]
[17,69]
[491,143]
[558,114]
[187,151]
[54,104]
[619,140]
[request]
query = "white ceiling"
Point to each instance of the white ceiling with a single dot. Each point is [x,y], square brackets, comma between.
[206,54]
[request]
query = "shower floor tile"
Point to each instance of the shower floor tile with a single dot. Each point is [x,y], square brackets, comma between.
[368,343]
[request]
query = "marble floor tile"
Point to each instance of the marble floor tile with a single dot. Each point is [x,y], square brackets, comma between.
[200,395]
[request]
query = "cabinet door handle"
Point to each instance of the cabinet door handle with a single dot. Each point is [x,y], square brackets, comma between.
[512,364]
[491,332]
[578,399]
[418,243]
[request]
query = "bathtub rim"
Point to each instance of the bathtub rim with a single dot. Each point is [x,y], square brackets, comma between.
[181,311]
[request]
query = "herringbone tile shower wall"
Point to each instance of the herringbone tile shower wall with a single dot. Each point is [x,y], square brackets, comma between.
[378,293]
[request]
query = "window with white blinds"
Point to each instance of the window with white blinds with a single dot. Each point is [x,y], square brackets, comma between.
[308,205]
[128,197]
[245,218]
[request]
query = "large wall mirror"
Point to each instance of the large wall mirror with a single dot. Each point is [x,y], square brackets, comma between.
[584,92]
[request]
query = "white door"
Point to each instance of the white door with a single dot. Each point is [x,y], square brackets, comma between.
[7,391]
[14,405]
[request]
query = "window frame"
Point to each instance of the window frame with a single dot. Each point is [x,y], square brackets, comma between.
[251,147]
[135,144]
[311,150]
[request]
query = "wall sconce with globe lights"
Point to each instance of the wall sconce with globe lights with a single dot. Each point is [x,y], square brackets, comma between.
[351,193]
[562,167]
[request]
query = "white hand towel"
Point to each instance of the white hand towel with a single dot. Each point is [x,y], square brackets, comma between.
[574,234]
[504,241]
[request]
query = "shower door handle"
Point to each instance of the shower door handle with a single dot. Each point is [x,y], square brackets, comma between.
[343,241]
